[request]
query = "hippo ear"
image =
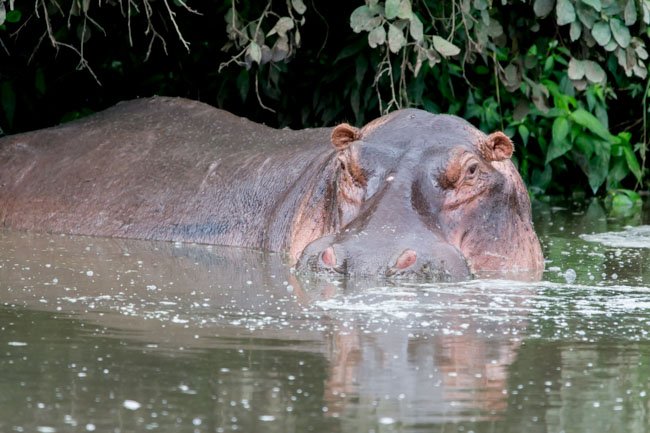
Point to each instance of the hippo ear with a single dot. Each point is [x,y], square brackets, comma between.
[343,135]
[497,147]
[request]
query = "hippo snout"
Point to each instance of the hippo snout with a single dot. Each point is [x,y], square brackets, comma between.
[433,262]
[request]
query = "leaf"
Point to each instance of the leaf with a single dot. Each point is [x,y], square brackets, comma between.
[560,129]
[584,143]
[495,29]
[350,50]
[405,11]
[633,163]
[14,16]
[587,16]
[3,13]
[8,101]
[575,31]
[601,33]
[611,46]
[630,13]
[620,31]
[565,11]
[560,144]
[543,7]
[361,18]
[299,6]
[445,47]
[481,4]
[39,81]
[243,84]
[396,39]
[283,25]
[511,77]
[391,8]
[376,37]
[598,169]
[593,3]
[255,52]
[416,29]
[594,72]
[542,180]
[587,120]
[576,69]
[524,133]
[280,50]
[361,64]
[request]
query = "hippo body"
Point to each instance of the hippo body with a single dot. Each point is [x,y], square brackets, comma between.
[411,193]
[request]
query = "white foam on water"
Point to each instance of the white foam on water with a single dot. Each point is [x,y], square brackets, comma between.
[631,237]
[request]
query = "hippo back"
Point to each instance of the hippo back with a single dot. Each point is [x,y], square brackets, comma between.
[159,168]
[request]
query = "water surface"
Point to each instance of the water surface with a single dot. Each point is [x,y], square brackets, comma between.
[126,336]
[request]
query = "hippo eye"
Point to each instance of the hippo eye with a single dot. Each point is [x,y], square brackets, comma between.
[471,170]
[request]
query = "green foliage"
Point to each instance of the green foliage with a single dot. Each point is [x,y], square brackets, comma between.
[557,93]
[566,79]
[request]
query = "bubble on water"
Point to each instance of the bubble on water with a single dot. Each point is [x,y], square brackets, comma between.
[90,273]
[131,404]
[267,418]
[90,427]
[45,429]
[570,276]
[386,420]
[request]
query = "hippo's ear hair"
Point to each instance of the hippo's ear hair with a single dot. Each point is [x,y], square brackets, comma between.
[496,147]
[343,135]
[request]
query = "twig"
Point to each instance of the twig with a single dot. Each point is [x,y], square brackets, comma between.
[38,44]
[5,48]
[327,28]
[644,143]
[189,9]
[257,93]
[128,21]
[232,59]
[496,81]
[15,33]
[178,31]
[150,28]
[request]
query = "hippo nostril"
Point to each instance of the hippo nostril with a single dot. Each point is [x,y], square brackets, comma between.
[406,259]
[328,257]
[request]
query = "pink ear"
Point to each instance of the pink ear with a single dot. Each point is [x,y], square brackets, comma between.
[497,147]
[343,135]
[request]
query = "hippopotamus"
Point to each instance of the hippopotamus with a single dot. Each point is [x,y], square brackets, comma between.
[409,194]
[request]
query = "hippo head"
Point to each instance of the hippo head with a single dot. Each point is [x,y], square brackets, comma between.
[418,194]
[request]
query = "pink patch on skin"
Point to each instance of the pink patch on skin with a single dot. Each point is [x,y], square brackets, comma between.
[405,260]
[328,257]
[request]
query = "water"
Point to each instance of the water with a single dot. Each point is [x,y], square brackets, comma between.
[125,336]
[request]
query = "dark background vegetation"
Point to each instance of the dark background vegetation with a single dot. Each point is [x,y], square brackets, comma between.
[566,79]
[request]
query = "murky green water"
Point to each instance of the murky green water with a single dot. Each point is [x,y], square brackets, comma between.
[122,336]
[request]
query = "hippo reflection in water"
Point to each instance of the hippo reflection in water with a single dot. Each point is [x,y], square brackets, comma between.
[409,194]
